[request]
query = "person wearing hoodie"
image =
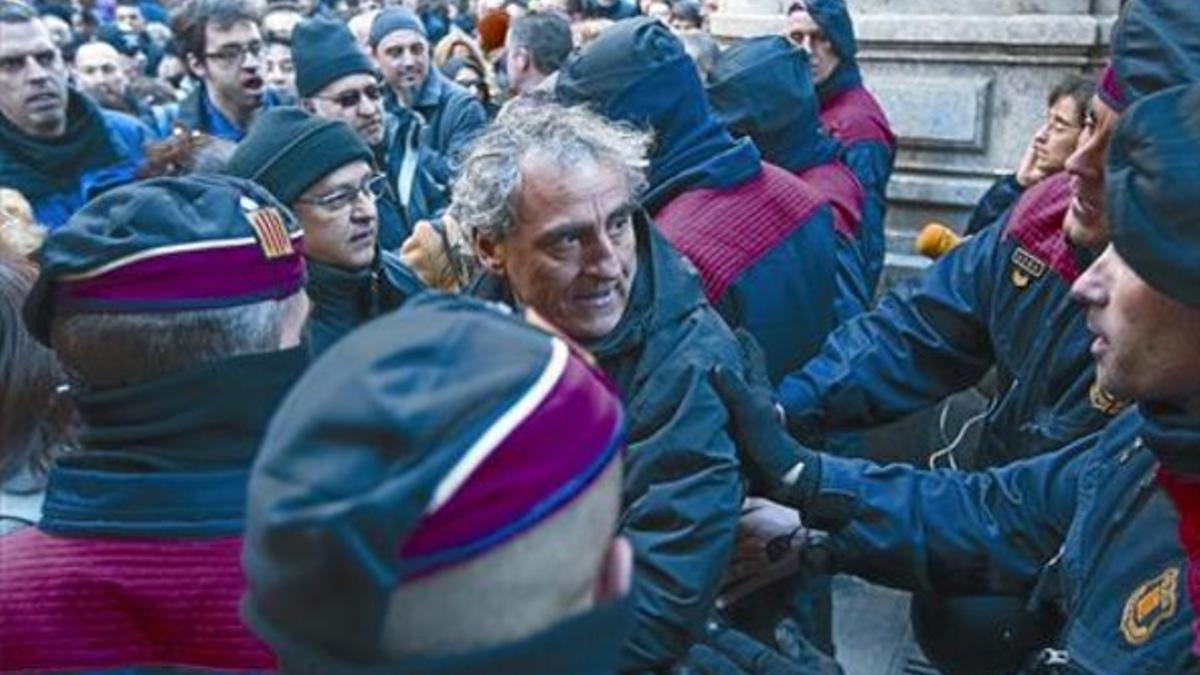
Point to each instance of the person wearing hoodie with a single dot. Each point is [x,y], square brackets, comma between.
[762,240]
[849,112]
[57,147]
[1001,300]
[1091,529]
[548,197]
[761,88]
[323,171]
[177,306]
[368,553]
[337,81]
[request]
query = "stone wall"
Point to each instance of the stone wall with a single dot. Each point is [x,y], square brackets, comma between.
[964,83]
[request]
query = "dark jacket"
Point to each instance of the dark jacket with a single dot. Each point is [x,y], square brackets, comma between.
[1086,528]
[682,490]
[1000,300]
[451,118]
[762,240]
[197,113]
[101,149]
[994,203]
[428,187]
[851,114]
[343,300]
[136,561]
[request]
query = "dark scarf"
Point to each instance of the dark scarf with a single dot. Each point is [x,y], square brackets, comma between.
[38,167]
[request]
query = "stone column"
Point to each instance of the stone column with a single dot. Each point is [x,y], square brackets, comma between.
[964,84]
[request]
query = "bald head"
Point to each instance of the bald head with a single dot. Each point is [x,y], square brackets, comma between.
[100,74]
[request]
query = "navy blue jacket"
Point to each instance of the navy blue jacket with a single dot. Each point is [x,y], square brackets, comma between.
[197,113]
[762,240]
[429,187]
[1001,299]
[451,118]
[1087,528]
[991,207]
[52,205]
[343,300]
[682,487]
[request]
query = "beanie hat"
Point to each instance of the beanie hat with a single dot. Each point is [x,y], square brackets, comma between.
[424,440]
[1156,45]
[288,149]
[168,245]
[1151,182]
[323,51]
[392,19]
[834,19]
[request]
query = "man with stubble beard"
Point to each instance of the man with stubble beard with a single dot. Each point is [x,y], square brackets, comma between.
[57,147]
[220,42]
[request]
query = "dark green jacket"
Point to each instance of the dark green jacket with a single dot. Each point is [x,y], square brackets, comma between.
[343,300]
[682,493]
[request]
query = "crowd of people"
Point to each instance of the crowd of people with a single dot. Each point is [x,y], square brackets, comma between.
[541,337]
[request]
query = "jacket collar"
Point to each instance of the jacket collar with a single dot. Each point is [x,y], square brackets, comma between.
[844,78]
[1173,436]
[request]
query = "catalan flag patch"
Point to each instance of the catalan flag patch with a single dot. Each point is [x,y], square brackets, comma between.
[271,231]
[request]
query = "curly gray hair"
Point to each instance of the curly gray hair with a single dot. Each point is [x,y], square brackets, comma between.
[486,190]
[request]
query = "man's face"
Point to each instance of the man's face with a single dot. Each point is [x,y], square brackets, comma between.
[232,68]
[571,252]
[129,19]
[33,80]
[280,71]
[356,100]
[1145,343]
[99,72]
[403,56]
[1058,136]
[1086,222]
[339,218]
[805,32]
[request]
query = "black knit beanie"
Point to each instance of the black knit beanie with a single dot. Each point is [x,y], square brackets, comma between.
[287,150]
[324,50]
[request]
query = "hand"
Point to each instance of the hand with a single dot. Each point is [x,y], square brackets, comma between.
[765,551]
[788,471]
[1028,172]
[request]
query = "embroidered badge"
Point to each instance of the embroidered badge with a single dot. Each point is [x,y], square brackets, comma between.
[1147,607]
[1026,267]
[271,230]
[1105,402]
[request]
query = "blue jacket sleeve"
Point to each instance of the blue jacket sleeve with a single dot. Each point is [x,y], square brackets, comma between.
[951,531]
[995,203]
[871,164]
[681,473]
[924,340]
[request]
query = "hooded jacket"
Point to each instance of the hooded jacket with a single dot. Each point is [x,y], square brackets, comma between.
[762,88]
[853,116]
[761,239]
[101,149]
[1000,300]
[343,300]
[682,493]
[136,561]
[1086,529]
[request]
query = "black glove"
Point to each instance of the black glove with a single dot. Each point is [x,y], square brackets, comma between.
[789,472]
[728,652]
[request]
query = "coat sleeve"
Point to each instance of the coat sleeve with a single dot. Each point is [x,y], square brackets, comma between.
[951,531]
[871,163]
[683,497]
[995,202]
[462,126]
[923,341]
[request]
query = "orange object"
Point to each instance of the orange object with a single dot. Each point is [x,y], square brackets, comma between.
[936,240]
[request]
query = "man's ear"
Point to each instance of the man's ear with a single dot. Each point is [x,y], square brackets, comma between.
[490,252]
[196,66]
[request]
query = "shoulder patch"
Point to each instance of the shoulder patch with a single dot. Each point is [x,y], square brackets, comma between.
[1149,605]
[271,231]
[1026,266]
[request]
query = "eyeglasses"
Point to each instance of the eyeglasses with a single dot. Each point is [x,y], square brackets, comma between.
[351,99]
[372,186]
[236,54]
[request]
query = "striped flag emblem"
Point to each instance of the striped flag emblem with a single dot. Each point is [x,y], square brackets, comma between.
[271,231]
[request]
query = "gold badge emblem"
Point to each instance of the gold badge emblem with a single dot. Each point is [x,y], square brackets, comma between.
[1105,402]
[271,231]
[1026,267]
[1151,604]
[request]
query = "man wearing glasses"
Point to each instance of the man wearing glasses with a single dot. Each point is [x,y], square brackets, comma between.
[322,170]
[337,81]
[223,49]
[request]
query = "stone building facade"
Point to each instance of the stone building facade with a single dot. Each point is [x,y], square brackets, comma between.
[964,83]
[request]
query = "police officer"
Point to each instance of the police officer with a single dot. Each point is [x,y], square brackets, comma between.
[1086,528]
